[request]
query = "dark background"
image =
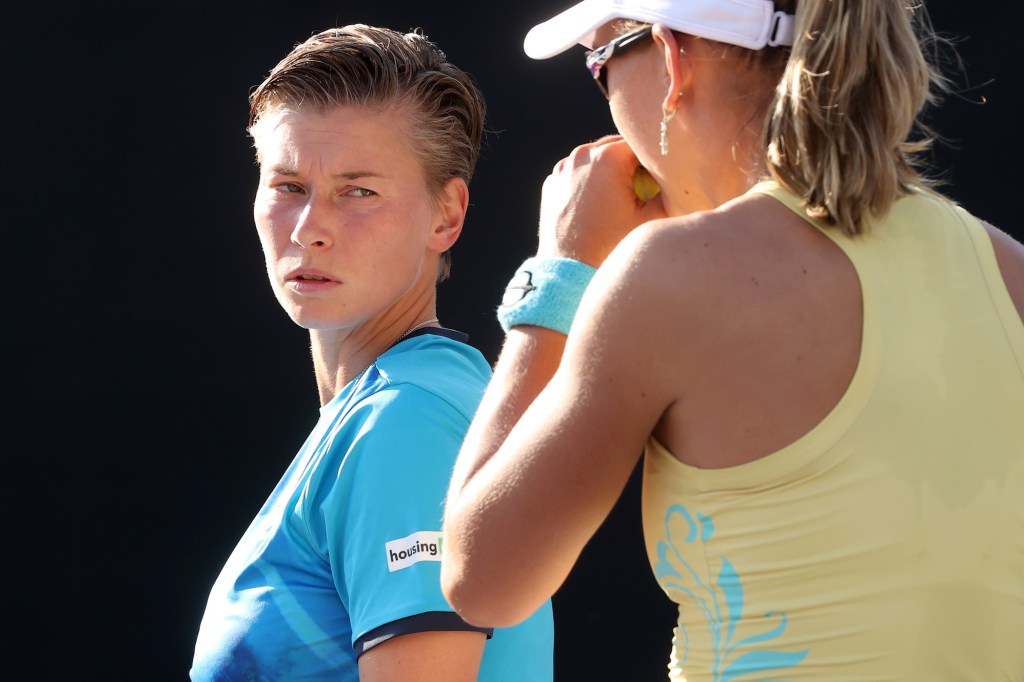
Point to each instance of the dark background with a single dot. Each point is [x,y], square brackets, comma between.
[155,392]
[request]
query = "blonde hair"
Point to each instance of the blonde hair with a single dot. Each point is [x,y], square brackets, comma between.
[839,128]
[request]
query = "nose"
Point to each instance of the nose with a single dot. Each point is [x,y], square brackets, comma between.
[311,229]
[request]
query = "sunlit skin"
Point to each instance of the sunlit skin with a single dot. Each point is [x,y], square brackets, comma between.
[702,131]
[350,232]
[352,238]
[720,322]
[549,452]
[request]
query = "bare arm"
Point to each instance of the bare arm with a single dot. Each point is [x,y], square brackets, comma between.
[555,438]
[528,360]
[1010,257]
[424,657]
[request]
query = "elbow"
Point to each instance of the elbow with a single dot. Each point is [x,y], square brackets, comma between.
[478,601]
[484,579]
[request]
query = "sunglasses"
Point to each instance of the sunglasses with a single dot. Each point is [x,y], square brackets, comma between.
[599,56]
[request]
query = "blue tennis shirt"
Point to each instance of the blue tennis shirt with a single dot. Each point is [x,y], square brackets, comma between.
[346,551]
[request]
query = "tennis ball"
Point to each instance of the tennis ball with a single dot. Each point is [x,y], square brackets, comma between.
[644,185]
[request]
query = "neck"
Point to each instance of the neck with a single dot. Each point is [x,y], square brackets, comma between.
[339,355]
[728,122]
[701,182]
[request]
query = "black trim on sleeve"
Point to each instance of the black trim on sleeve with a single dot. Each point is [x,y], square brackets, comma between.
[431,621]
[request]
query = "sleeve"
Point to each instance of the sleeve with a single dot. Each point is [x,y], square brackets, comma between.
[382,518]
[433,621]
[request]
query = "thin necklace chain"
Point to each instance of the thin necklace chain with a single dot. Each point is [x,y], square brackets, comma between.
[422,324]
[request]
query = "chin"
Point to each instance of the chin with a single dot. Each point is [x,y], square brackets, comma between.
[312,314]
[315,324]
[324,323]
[308,320]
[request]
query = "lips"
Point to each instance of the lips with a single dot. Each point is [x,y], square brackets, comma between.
[309,281]
[309,275]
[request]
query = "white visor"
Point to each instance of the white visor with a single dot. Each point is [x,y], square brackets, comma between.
[752,24]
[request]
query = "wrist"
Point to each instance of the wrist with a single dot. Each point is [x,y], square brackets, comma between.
[545,292]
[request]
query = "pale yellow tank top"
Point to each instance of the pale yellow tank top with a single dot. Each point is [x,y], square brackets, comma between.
[887,543]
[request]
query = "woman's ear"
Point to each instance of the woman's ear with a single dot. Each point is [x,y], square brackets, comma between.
[678,69]
[452,204]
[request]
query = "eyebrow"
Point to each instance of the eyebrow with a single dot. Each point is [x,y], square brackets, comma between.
[282,169]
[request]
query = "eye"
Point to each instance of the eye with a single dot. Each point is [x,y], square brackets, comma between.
[361,192]
[289,187]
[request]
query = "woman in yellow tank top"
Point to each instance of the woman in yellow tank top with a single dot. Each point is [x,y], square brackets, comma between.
[821,359]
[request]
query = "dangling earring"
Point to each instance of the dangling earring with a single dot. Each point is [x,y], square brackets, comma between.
[666,116]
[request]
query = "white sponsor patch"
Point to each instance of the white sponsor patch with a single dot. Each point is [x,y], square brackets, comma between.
[424,545]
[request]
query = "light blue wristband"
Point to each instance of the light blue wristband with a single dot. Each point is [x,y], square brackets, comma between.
[545,292]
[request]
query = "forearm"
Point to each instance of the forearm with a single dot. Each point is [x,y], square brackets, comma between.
[527,362]
[548,452]
[571,227]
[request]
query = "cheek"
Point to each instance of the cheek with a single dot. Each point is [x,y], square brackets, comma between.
[639,125]
[409,228]
[271,228]
[636,104]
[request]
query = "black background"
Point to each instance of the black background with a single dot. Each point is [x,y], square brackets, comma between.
[155,392]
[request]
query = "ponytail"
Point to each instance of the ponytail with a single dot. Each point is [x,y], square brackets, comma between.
[838,131]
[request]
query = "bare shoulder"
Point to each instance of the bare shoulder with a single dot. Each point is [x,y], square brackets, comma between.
[749,242]
[1010,257]
[727,312]
[726,273]
[1011,249]
[716,322]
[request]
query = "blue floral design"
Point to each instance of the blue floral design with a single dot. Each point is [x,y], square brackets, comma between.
[733,659]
